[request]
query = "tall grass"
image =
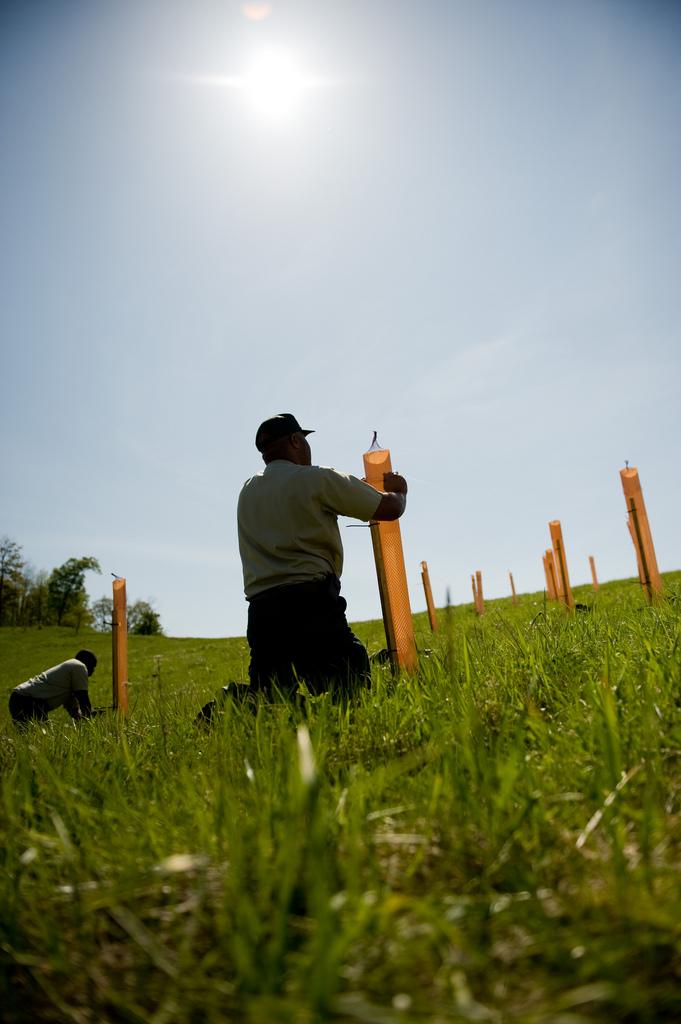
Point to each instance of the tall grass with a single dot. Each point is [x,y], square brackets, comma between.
[494,839]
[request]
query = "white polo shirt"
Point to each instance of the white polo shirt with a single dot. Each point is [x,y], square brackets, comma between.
[288,522]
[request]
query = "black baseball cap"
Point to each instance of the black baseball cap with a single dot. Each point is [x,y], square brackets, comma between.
[282,425]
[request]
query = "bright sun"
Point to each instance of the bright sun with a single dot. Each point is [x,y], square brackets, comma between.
[275,84]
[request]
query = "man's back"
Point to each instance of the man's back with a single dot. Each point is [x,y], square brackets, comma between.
[288,523]
[56,685]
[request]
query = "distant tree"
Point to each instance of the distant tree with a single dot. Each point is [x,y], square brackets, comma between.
[66,587]
[21,610]
[143,620]
[35,607]
[102,611]
[79,613]
[11,570]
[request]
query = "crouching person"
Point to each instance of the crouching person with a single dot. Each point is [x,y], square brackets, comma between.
[63,685]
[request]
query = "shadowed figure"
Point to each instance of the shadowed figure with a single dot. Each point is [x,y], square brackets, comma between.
[292,559]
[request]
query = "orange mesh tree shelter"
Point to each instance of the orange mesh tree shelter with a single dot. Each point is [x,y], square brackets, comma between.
[594,577]
[392,577]
[430,604]
[560,562]
[639,528]
[632,534]
[119,640]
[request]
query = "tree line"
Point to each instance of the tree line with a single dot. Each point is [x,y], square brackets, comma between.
[30,597]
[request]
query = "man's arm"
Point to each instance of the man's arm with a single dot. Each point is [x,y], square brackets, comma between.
[394,501]
[79,705]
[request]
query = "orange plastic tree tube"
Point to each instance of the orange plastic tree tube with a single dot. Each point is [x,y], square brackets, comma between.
[594,577]
[514,596]
[639,528]
[430,604]
[119,640]
[560,562]
[392,577]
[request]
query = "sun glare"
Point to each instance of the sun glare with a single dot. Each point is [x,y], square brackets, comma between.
[275,84]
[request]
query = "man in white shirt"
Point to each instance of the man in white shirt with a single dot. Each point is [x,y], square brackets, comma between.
[292,559]
[63,685]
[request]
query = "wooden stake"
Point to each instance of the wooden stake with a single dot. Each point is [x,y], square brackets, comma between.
[639,528]
[594,577]
[514,596]
[547,584]
[475,593]
[560,561]
[119,641]
[479,598]
[390,571]
[430,604]
[550,574]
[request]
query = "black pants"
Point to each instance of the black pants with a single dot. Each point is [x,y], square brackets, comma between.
[24,708]
[300,632]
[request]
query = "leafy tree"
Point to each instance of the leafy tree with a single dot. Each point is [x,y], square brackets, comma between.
[35,607]
[143,620]
[11,575]
[102,611]
[79,612]
[66,586]
[20,611]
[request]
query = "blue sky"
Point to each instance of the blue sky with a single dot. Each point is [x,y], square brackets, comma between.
[465,234]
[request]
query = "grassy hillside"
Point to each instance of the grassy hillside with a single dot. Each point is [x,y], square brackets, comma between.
[495,839]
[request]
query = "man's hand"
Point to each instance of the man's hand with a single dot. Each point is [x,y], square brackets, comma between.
[394,501]
[78,705]
[395,483]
